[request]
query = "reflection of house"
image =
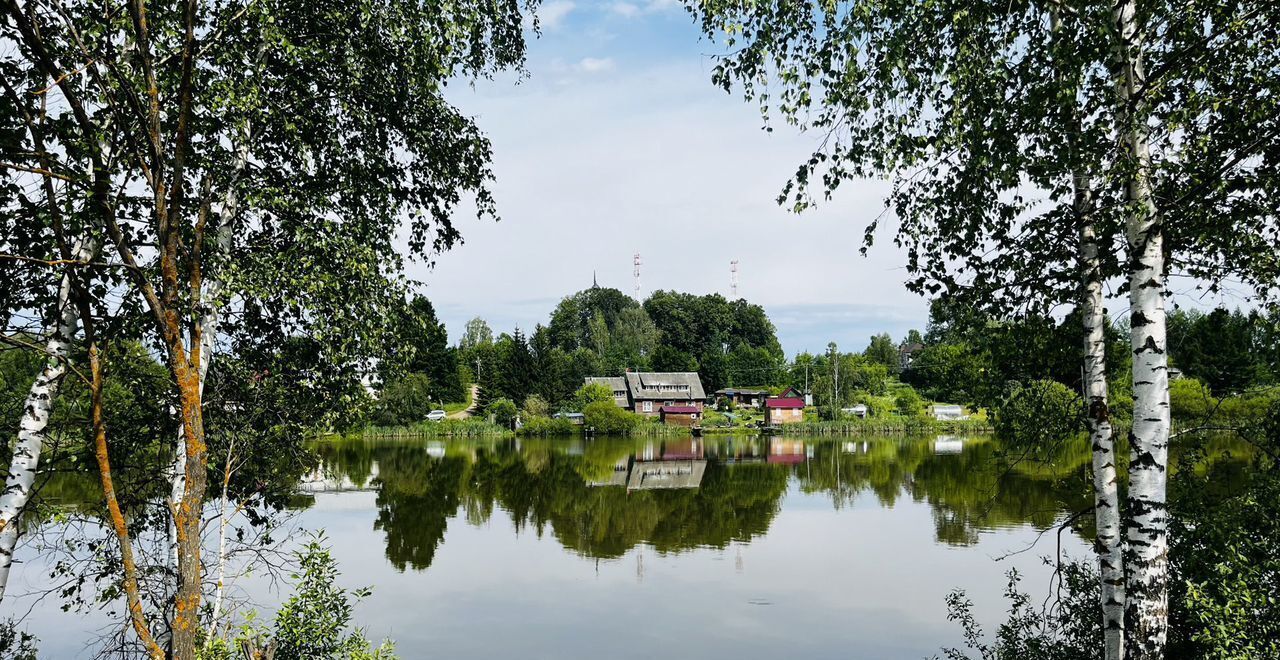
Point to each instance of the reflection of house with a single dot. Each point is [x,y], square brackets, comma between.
[907,354]
[655,475]
[621,470]
[685,448]
[736,450]
[948,444]
[786,451]
[783,410]
[617,385]
[741,397]
[945,412]
[322,480]
[650,391]
[680,415]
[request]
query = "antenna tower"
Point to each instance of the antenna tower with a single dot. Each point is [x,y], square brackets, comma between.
[635,261]
[733,278]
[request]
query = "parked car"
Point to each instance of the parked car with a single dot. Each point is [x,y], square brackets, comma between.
[436,415]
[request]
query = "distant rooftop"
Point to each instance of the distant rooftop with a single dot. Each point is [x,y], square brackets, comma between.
[665,385]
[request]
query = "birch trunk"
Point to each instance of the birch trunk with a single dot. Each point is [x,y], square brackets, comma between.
[35,417]
[1146,529]
[224,519]
[1106,493]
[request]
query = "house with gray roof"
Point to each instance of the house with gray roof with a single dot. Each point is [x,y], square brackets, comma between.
[646,392]
[617,385]
[650,391]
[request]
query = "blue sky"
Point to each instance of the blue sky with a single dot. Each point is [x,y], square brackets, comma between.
[616,143]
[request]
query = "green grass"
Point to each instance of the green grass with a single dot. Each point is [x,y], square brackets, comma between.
[886,424]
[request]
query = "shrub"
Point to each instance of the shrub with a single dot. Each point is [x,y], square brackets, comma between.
[504,412]
[314,624]
[404,401]
[591,393]
[606,417]
[1249,406]
[1190,400]
[1071,630]
[1037,413]
[536,406]
[909,404]
[546,426]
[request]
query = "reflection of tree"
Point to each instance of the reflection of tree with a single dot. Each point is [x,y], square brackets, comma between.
[978,489]
[417,497]
[982,488]
[543,487]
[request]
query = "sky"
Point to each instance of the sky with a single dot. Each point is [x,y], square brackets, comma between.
[617,143]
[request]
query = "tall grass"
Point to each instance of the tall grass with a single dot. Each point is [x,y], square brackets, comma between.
[471,427]
[886,425]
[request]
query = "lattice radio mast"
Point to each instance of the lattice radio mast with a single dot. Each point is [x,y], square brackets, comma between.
[733,278]
[635,261]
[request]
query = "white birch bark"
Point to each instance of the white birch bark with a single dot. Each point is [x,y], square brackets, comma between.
[1106,493]
[224,519]
[1146,529]
[35,416]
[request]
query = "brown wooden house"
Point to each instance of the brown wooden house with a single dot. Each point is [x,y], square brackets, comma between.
[783,410]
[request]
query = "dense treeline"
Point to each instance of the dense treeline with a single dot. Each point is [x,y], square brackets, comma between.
[602,332]
[1226,362]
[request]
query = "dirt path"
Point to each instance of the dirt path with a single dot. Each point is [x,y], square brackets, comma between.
[471,409]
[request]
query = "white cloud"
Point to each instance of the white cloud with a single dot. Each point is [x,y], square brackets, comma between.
[661,5]
[625,9]
[632,10]
[595,64]
[552,14]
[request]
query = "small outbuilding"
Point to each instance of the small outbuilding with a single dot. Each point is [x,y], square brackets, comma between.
[680,415]
[742,397]
[947,412]
[783,410]
[575,418]
[857,410]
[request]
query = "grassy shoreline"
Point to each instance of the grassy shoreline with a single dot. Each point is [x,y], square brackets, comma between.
[474,428]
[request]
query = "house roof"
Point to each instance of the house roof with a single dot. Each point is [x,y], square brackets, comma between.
[656,475]
[784,402]
[680,410]
[649,385]
[614,383]
[740,390]
[910,348]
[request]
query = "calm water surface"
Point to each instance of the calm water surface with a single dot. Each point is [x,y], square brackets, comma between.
[690,547]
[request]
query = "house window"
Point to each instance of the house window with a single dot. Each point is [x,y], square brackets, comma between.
[795,413]
[648,406]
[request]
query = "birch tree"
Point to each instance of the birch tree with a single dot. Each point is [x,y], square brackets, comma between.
[998,124]
[357,147]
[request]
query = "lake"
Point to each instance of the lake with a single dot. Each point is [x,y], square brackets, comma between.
[717,547]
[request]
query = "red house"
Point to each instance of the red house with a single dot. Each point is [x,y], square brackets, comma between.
[783,410]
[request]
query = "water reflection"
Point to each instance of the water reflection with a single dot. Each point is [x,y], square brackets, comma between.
[600,498]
